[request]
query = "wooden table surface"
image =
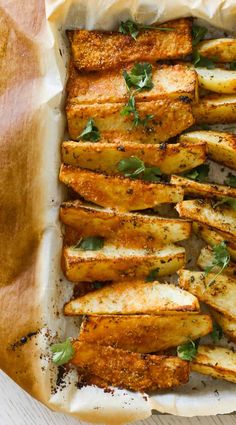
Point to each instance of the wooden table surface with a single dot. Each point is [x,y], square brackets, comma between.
[18,408]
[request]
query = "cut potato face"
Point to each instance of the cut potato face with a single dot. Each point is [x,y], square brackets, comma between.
[110,86]
[145,333]
[133,297]
[221,146]
[170,117]
[217,80]
[122,194]
[222,218]
[218,362]
[132,371]
[204,190]
[206,258]
[215,109]
[218,292]
[105,157]
[227,324]
[123,229]
[97,50]
[111,263]
[224,49]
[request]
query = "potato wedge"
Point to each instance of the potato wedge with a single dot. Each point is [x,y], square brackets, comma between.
[219,292]
[219,362]
[222,48]
[221,146]
[170,117]
[227,324]
[133,297]
[145,333]
[217,80]
[110,87]
[206,257]
[205,190]
[113,263]
[215,109]
[122,194]
[104,157]
[97,50]
[132,371]
[123,229]
[222,218]
[213,238]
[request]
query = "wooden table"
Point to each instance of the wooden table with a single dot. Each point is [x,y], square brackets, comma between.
[18,408]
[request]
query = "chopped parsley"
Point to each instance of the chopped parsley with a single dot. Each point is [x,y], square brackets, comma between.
[152,275]
[201,61]
[198,33]
[217,333]
[188,350]
[90,132]
[220,260]
[133,29]
[62,352]
[91,243]
[199,174]
[135,168]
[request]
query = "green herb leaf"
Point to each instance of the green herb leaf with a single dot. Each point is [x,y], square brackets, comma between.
[135,168]
[62,352]
[187,351]
[92,243]
[232,66]
[90,132]
[217,333]
[199,174]
[201,61]
[231,180]
[198,33]
[133,29]
[221,260]
[231,202]
[130,108]
[140,77]
[153,274]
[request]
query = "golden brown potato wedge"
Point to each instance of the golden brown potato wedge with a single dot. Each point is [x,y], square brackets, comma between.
[217,80]
[133,297]
[122,194]
[145,333]
[205,190]
[221,146]
[105,157]
[227,324]
[215,109]
[219,362]
[97,50]
[222,48]
[169,118]
[218,292]
[126,229]
[211,237]
[114,263]
[222,218]
[206,258]
[132,371]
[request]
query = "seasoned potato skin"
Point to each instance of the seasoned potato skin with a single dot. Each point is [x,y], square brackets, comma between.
[206,258]
[215,109]
[227,324]
[205,190]
[222,48]
[132,371]
[97,50]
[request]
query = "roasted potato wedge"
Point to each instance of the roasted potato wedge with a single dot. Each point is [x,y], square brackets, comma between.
[105,157]
[227,324]
[132,371]
[133,297]
[211,237]
[122,194]
[145,333]
[221,146]
[206,258]
[217,80]
[123,229]
[222,218]
[219,362]
[169,118]
[219,292]
[206,190]
[215,109]
[224,49]
[110,87]
[97,50]
[113,263]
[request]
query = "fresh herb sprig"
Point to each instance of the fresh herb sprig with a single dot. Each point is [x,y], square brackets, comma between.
[135,168]
[199,174]
[231,180]
[63,352]
[188,350]
[90,132]
[232,66]
[152,275]
[130,108]
[91,243]
[202,61]
[133,29]
[231,202]
[198,33]
[220,260]
[216,333]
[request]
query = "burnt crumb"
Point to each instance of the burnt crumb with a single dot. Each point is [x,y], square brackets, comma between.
[216,392]
[61,372]
[185,99]
[121,148]
[23,340]
[163,146]
[203,383]
[145,398]
[108,390]
[130,191]
[60,52]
